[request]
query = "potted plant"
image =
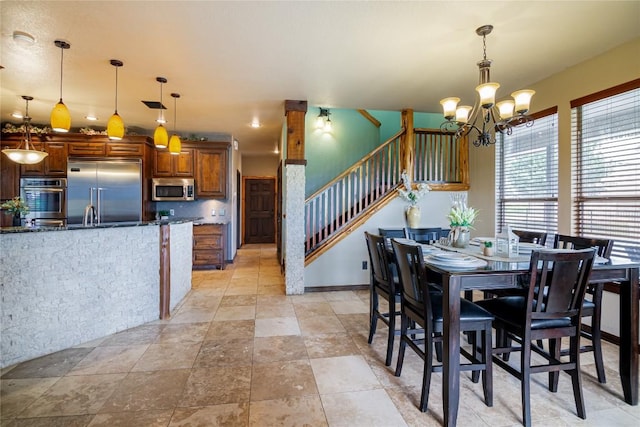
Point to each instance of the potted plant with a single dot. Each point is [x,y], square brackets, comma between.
[461,219]
[411,195]
[488,249]
[16,207]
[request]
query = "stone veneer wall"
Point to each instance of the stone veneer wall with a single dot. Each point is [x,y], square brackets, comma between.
[62,288]
[294,237]
[181,245]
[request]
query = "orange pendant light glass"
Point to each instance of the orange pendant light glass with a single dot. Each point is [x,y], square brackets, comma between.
[60,116]
[115,125]
[160,136]
[175,145]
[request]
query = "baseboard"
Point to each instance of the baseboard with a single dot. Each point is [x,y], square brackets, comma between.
[336,288]
[606,336]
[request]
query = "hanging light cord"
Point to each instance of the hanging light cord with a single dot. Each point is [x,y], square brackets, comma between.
[175,113]
[161,106]
[116,89]
[61,61]
[27,119]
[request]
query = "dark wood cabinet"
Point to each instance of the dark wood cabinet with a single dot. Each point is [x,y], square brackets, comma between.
[9,174]
[209,242]
[211,173]
[55,164]
[166,164]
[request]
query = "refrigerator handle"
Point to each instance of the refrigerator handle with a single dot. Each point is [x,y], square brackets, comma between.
[91,195]
[99,202]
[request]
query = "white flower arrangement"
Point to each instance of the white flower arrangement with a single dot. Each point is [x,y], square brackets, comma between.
[408,193]
[462,216]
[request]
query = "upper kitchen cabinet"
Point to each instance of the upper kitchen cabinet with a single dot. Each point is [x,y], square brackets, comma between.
[55,164]
[166,164]
[9,173]
[211,173]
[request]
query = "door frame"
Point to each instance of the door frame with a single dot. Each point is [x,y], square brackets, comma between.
[244,200]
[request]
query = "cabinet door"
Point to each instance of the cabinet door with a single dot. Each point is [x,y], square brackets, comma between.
[162,163]
[9,175]
[128,149]
[183,163]
[55,164]
[211,173]
[87,148]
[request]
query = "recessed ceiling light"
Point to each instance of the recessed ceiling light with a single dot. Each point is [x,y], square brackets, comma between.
[255,123]
[162,121]
[17,115]
[23,38]
[92,118]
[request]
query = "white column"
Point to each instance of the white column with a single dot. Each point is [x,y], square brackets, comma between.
[294,236]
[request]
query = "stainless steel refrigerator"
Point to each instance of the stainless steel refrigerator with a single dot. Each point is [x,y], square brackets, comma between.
[112,187]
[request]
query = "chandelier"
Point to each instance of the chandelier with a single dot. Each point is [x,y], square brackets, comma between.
[486,117]
[27,155]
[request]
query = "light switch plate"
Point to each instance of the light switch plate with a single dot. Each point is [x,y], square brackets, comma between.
[213,212]
[223,212]
[172,212]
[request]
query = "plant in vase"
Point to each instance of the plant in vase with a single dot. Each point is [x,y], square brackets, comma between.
[412,195]
[488,249]
[461,219]
[16,207]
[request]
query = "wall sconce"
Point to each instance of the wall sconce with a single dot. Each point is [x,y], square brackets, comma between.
[323,122]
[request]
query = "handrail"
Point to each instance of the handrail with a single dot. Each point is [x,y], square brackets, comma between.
[356,165]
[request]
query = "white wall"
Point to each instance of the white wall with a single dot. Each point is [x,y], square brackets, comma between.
[342,264]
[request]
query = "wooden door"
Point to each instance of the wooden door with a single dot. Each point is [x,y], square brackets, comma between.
[259,210]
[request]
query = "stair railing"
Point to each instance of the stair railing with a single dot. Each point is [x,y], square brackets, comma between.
[352,192]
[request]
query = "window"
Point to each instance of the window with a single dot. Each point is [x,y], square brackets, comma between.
[605,135]
[527,176]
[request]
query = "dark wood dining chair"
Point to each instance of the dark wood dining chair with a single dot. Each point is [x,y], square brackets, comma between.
[592,306]
[550,310]
[423,309]
[423,235]
[383,283]
[390,233]
[526,236]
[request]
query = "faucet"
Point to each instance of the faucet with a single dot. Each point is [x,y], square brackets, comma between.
[89,211]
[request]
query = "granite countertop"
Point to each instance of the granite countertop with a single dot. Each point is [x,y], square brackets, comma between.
[7,230]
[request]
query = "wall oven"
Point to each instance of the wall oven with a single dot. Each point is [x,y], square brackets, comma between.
[46,198]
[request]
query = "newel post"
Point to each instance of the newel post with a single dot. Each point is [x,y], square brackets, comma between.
[407,142]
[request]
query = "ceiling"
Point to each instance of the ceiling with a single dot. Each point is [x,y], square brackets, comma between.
[233,62]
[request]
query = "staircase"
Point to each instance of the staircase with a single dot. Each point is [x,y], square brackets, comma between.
[352,197]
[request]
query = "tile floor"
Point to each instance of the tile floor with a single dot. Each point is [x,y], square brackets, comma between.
[238,352]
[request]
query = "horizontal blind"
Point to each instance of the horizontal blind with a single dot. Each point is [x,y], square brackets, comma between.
[527,176]
[605,136]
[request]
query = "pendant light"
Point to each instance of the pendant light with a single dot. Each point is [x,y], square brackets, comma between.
[175,146]
[60,117]
[160,136]
[115,125]
[27,155]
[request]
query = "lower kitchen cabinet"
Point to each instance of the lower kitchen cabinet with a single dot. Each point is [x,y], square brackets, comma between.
[209,242]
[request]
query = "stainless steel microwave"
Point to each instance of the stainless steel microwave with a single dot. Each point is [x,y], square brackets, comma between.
[173,189]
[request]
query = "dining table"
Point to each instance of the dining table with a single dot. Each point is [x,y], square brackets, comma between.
[501,272]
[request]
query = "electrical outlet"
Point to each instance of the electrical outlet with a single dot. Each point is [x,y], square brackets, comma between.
[364,265]
[172,212]
[213,212]
[223,212]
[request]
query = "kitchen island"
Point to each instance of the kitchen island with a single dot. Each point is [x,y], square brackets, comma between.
[60,287]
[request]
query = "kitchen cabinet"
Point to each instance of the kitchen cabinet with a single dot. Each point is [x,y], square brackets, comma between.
[209,242]
[166,164]
[125,149]
[211,173]
[87,149]
[9,174]
[55,164]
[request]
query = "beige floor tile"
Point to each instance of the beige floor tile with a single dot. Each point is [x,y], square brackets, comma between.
[227,415]
[74,396]
[320,325]
[187,333]
[343,373]
[145,334]
[240,312]
[278,348]
[329,345]
[265,311]
[227,352]
[349,306]
[17,394]
[167,356]
[277,326]
[215,386]
[143,391]
[288,412]
[361,408]
[157,418]
[234,300]
[63,421]
[230,329]
[192,315]
[282,379]
[52,365]
[312,309]
[109,360]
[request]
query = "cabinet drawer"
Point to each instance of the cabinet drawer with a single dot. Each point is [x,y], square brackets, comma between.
[207,229]
[207,257]
[207,242]
[87,149]
[123,149]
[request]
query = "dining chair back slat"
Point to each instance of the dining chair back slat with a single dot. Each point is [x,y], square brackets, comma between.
[526,236]
[424,235]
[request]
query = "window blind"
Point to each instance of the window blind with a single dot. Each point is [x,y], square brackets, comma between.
[527,176]
[605,134]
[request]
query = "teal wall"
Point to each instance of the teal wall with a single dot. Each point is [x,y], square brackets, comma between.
[353,137]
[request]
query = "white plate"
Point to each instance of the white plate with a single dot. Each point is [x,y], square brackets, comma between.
[472,263]
[404,241]
[427,248]
[451,256]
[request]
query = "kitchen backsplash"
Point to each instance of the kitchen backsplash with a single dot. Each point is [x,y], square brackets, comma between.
[198,208]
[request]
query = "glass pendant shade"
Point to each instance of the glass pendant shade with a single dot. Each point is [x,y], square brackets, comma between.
[487,92]
[60,118]
[175,145]
[506,109]
[160,137]
[462,113]
[25,157]
[523,99]
[449,106]
[115,127]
